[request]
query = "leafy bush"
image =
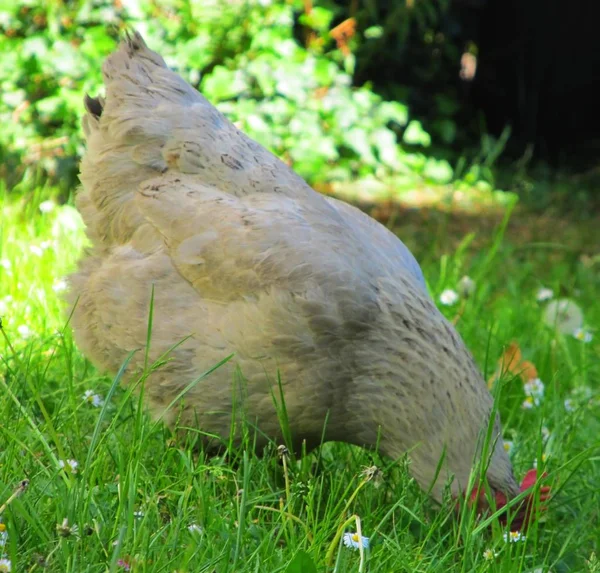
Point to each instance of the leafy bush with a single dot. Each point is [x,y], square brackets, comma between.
[294,96]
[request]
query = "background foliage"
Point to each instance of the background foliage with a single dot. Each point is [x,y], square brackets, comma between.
[285,71]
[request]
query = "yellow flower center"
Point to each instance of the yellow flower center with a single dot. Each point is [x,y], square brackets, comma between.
[2,528]
[355,537]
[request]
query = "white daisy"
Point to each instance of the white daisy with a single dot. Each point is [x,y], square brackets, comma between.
[5,565]
[489,554]
[138,514]
[194,528]
[60,285]
[449,297]
[582,335]
[534,389]
[93,399]
[569,406]
[36,250]
[508,446]
[545,433]
[47,206]
[513,537]
[66,530]
[466,286]
[71,465]
[527,403]
[544,294]
[353,540]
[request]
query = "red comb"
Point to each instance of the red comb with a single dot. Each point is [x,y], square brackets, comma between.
[526,511]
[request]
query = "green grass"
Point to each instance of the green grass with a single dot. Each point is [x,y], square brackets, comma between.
[137,489]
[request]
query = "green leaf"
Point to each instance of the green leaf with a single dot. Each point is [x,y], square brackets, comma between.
[301,563]
[358,140]
[438,170]
[374,32]
[393,111]
[223,84]
[416,135]
[385,142]
[318,19]
[446,128]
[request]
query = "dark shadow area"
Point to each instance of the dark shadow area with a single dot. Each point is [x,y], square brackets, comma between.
[477,66]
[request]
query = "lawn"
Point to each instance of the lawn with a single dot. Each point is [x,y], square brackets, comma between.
[111,490]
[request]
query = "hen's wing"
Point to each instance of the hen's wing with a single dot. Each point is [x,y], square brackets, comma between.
[368,230]
[232,247]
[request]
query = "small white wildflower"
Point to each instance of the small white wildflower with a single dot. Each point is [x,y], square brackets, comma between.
[93,399]
[24,331]
[534,389]
[3,536]
[138,514]
[5,565]
[544,294]
[449,297]
[353,540]
[508,446]
[47,206]
[195,528]
[564,315]
[5,264]
[66,530]
[489,555]
[582,335]
[372,474]
[37,251]
[527,403]
[60,285]
[513,537]
[569,406]
[72,465]
[466,286]
[545,433]
[67,220]
[45,245]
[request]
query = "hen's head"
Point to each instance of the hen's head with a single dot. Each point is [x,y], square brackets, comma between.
[520,515]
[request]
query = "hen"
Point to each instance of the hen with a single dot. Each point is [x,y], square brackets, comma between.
[240,256]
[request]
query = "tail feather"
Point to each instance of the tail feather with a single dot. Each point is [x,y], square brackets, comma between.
[152,121]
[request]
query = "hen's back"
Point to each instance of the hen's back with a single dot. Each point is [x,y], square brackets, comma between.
[233,250]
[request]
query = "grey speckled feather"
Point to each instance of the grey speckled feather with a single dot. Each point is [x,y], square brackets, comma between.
[246,258]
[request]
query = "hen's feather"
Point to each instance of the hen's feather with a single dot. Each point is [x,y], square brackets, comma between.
[245,258]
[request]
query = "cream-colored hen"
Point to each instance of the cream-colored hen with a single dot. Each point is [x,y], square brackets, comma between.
[245,258]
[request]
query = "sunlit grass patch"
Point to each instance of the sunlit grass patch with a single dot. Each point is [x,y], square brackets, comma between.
[108,489]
